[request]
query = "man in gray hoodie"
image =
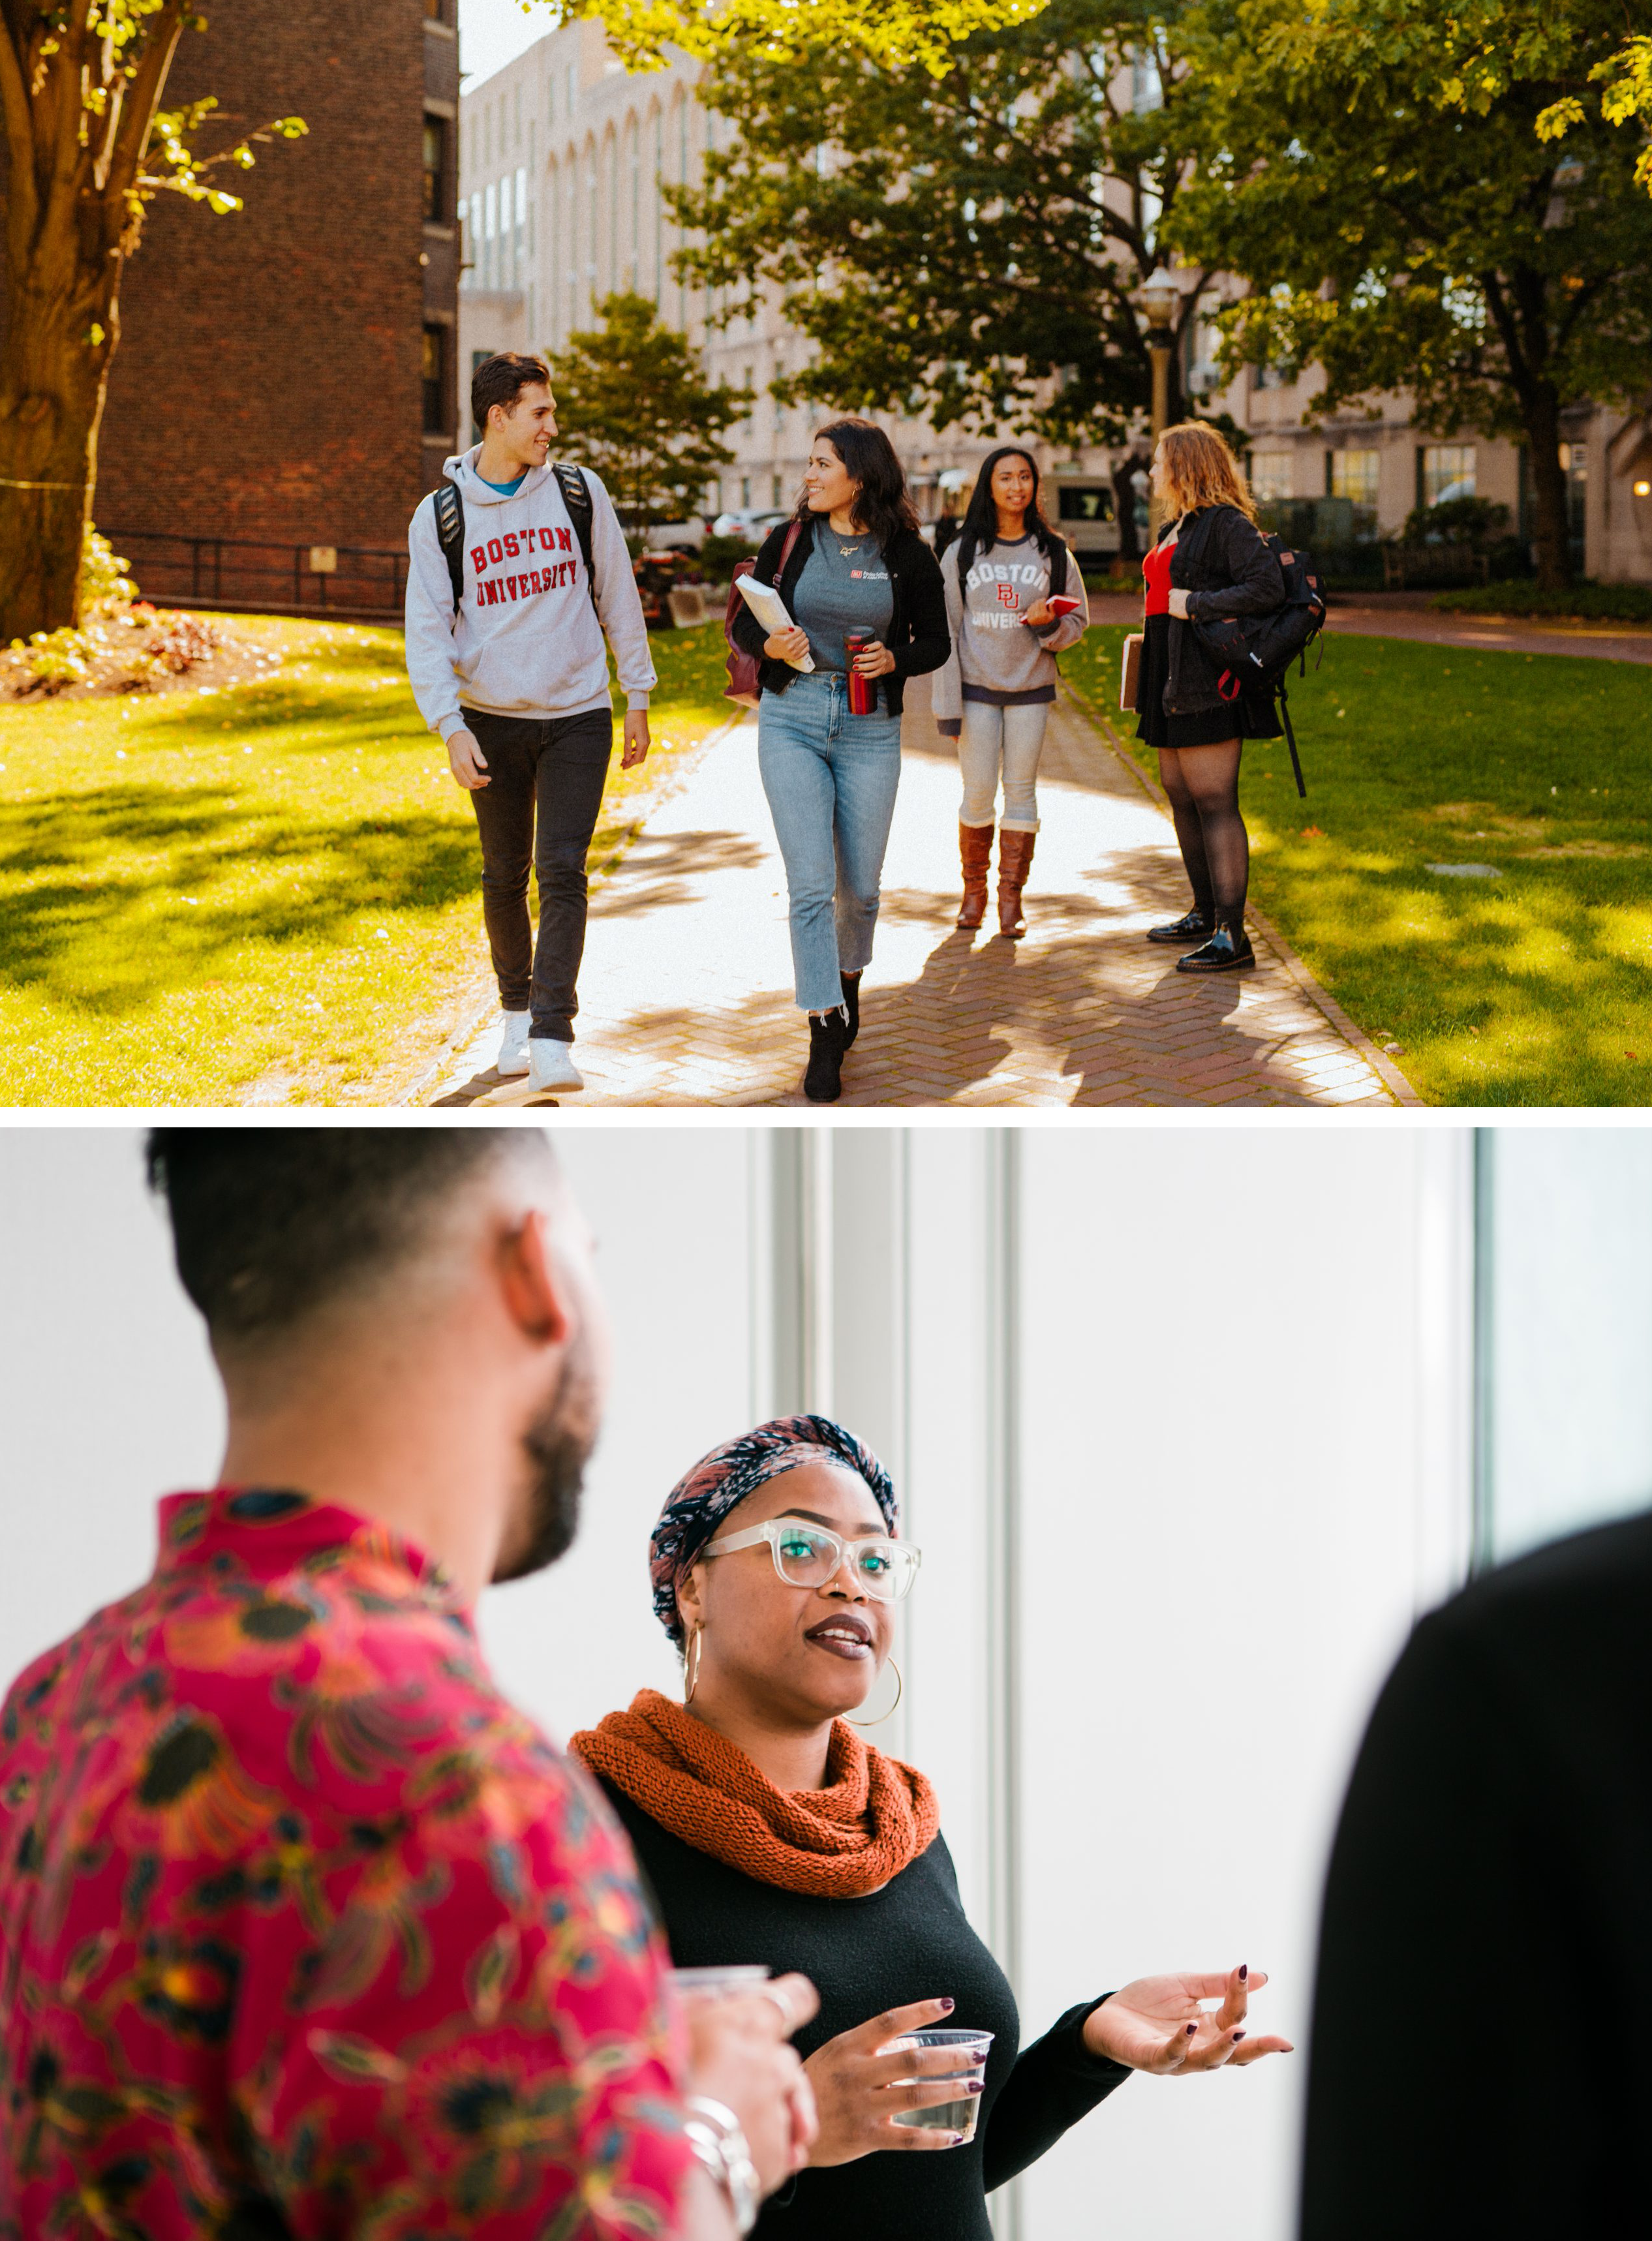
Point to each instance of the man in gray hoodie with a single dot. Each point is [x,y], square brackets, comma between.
[512,673]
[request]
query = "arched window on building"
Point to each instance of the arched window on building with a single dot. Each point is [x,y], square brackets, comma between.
[611,231]
[680,137]
[633,273]
[656,255]
[590,292]
[554,255]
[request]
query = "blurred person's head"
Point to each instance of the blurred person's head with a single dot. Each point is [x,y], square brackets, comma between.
[792,1630]
[405,1319]
[853,470]
[1193,467]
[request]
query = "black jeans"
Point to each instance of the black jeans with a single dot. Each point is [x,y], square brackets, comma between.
[546,772]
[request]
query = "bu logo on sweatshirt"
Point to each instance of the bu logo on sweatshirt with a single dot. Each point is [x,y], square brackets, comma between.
[1006,596]
[500,577]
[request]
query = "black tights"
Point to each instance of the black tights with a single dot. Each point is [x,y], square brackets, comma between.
[1203,787]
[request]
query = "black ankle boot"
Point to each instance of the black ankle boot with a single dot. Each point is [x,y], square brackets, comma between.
[851,1004]
[1196,926]
[828,1040]
[1229,950]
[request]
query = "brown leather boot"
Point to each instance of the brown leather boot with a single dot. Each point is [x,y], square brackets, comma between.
[975,847]
[1014,860]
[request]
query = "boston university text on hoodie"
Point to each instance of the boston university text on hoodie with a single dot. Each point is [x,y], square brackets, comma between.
[527,641]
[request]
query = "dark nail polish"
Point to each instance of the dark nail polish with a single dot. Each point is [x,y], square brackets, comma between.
[1237,2037]
[946,2006]
[1192,2027]
[976,2086]
[1244,1971]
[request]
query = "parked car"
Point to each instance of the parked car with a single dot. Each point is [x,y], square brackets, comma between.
[754,522]
[1086,513]
[677,536]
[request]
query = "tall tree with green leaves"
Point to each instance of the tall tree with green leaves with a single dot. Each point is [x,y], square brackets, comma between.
[88,146]
[966,242]
[1382,180]
[633,403]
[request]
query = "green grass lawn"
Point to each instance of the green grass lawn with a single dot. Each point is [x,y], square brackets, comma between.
[267,893]
[1532,988]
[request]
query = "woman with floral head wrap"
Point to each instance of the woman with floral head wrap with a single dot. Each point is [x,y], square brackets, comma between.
[772,1833]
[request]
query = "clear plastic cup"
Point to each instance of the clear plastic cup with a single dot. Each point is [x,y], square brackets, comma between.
[716,1983]
[972,2048]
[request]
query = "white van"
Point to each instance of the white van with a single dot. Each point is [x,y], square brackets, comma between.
[1085,513]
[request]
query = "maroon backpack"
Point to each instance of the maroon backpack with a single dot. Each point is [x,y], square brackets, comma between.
[743,685]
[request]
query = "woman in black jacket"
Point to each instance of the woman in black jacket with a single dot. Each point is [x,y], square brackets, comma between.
[1209,561]
[850,560]
[770,1833]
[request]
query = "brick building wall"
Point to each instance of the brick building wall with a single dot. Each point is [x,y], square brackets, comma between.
[287,372]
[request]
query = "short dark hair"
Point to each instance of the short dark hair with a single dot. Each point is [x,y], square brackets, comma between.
[269,1225]
[881,504]
[501,379]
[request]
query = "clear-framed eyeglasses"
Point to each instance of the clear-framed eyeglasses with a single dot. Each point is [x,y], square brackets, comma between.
[809,1556]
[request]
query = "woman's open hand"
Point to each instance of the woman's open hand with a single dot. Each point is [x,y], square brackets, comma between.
[787,646]
[1157,2024]
[855,2092]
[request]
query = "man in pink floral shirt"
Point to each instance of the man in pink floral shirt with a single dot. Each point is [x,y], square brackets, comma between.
[303,1928]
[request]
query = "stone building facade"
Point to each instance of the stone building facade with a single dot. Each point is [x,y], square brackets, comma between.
[289,372]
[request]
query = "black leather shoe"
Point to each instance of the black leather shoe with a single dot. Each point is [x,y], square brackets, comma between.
[828,1042]
[851,1004]
[1193,927]
[1228,951]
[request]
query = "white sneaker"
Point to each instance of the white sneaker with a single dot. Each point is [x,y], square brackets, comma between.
[550,1065]
[513,1047]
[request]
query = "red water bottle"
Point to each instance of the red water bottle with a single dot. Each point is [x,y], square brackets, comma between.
[863,691]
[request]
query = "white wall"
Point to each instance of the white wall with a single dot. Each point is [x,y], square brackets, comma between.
[1224,1421]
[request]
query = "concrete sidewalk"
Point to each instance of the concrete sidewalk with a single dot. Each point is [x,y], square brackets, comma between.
[685,995]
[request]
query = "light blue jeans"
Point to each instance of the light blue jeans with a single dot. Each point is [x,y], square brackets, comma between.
[1014,736]
[831,780]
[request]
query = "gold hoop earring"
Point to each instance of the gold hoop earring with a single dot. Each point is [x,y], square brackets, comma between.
[900,1691]
[691,1665]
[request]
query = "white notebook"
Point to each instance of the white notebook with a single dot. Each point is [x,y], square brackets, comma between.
[769,607]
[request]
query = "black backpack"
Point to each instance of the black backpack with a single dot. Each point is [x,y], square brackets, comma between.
[1254,653]
[450,525]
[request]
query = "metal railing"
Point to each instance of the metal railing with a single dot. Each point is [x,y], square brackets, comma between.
[262,575]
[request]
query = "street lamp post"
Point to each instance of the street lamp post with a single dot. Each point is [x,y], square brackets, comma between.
[1159,296]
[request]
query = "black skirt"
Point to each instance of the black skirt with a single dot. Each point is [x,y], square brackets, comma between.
[1244,719]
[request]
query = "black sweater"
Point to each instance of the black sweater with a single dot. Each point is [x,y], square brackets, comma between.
[909,1941]
[1222,564]
[918,636]
[1493,1868]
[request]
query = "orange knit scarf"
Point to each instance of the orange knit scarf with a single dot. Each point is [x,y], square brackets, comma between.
[872,1819]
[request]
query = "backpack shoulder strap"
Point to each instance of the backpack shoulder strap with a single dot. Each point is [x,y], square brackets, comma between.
[449,531]
[576,496]
[793,530]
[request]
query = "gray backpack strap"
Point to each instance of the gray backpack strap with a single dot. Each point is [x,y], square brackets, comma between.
[576,496]
[449,531]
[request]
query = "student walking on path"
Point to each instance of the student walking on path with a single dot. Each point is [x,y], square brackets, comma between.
[1209,561]
[993,695]
[850,565]
[518,568]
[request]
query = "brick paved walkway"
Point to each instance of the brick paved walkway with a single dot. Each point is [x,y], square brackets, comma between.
[685,994]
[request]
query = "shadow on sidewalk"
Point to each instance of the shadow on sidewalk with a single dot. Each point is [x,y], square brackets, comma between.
[661,872]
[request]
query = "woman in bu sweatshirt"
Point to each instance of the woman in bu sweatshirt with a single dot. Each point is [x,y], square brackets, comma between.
[993,696]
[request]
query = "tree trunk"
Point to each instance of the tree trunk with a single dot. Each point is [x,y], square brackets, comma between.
[76,108]
[1539,409]
[1519,308]
[52,379]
